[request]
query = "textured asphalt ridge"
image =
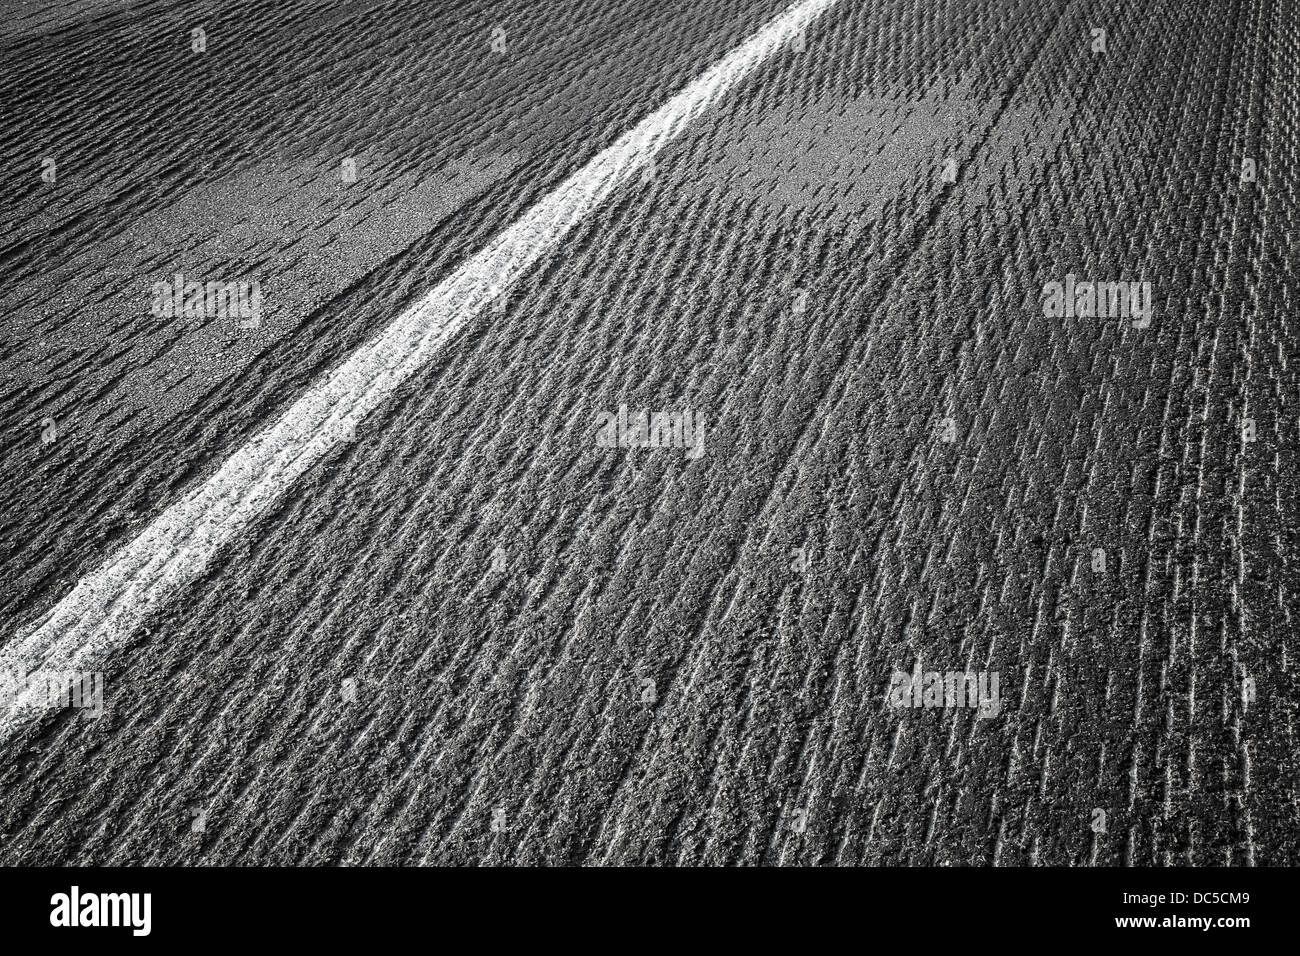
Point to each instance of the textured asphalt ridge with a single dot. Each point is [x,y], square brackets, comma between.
[650,677]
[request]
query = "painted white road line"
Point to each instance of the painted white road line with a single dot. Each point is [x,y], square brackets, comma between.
[107,605]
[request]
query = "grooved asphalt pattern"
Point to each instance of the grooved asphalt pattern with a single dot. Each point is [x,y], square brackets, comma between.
[475,634]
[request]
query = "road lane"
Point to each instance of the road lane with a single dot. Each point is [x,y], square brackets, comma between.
[478,636]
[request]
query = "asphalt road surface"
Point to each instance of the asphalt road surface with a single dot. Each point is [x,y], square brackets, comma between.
[379,569]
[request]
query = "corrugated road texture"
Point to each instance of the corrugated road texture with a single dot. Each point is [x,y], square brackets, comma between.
[563,653]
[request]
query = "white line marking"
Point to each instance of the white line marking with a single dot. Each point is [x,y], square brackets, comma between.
[109,604]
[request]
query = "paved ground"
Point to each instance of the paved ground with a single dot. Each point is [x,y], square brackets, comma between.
[475,635]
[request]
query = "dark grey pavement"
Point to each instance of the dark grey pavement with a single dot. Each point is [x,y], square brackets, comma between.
[474,635]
